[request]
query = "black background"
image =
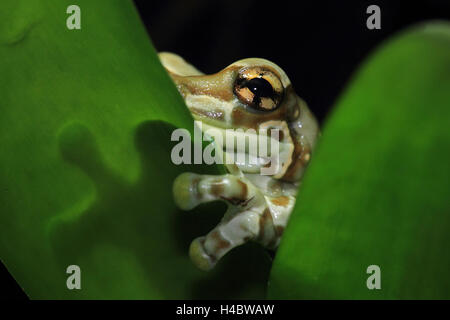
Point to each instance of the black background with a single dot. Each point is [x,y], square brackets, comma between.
[318,43]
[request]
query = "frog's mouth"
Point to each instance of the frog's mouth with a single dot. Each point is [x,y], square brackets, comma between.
[267,150]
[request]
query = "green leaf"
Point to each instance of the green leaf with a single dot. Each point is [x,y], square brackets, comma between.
[377,191]
[85,171]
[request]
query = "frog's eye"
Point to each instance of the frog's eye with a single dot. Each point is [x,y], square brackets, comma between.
[259,88]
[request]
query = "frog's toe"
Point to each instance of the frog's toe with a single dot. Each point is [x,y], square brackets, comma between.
[184,190]
[199,256]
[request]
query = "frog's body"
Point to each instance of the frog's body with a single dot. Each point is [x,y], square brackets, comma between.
[248,94]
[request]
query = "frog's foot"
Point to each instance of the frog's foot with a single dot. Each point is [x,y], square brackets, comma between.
[191,189]
[248,216]
[199,256]
[206,251]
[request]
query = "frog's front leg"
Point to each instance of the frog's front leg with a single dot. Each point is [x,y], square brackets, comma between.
[241,223]
[206,251]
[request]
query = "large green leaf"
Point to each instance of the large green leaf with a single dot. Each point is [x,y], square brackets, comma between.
[85,171]
[377,191]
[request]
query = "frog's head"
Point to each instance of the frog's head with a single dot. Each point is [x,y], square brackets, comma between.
[250,94]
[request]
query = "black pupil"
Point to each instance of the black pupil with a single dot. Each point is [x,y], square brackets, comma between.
[260,87]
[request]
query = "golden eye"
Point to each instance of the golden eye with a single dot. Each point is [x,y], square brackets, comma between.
[259,88]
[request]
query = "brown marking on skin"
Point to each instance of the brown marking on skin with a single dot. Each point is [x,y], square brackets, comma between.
[210,114]
[300,159]
[282,201]
[221,243]
[238,200]
[245,228]
[264,222]
[217,188]
[279,230]
[244,189]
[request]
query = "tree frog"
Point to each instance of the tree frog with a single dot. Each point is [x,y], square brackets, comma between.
[248,94]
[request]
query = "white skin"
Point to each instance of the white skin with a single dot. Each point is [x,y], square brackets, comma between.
[248,94]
